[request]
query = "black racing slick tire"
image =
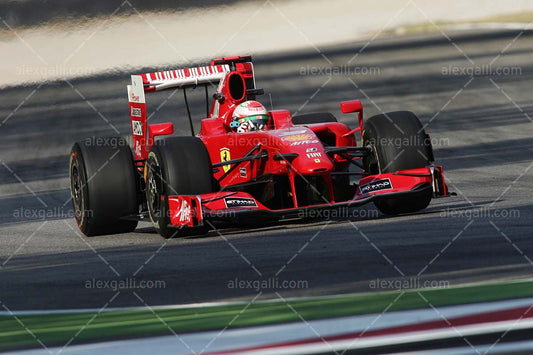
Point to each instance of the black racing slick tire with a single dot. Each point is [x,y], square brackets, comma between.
[399,142]
[310,118]
[103,186]
[176,166]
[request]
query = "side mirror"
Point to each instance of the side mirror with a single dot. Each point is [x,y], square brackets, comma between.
[159,129]
[352,106]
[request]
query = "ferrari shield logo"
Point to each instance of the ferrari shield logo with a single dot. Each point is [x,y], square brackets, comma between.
[225,156]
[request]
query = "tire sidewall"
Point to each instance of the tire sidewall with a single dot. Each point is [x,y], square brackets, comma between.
[82,216]
[159,218]
[371,163]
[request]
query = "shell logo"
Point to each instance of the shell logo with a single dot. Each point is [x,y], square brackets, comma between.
[297,137]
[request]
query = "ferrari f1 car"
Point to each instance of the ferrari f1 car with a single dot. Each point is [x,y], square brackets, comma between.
[184,184]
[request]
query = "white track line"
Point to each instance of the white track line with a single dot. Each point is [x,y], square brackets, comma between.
[266,335]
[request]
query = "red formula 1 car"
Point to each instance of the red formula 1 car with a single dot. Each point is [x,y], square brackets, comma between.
[278,165]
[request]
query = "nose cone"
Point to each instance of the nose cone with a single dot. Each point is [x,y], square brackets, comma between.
[312,159]
[312,163]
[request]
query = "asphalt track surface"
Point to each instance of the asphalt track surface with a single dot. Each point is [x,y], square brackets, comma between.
[482,131]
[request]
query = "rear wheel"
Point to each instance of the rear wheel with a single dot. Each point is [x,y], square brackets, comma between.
[399,142]
[103,186]
[176,166]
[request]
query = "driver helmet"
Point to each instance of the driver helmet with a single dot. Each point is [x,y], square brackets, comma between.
[249,116]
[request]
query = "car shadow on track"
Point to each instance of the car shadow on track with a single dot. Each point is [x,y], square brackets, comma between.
[338,260]
[370,213]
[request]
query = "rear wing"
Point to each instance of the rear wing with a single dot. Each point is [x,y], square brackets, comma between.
[222,73]
[183,77]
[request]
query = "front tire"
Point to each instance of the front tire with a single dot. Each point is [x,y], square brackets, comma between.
[399,142]
[103,186]
[176,166]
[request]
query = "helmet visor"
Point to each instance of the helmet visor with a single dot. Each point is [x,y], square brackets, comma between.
[258,122]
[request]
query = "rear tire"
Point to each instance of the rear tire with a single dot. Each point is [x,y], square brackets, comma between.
[310,118]
[176,166]
[399,143]
[103,186]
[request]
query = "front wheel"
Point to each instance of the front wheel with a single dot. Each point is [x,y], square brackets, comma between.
[176,166]
[399,142]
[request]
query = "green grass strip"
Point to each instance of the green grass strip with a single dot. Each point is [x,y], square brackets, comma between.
[58,329]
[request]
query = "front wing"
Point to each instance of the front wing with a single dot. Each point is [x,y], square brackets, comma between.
[190,211]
